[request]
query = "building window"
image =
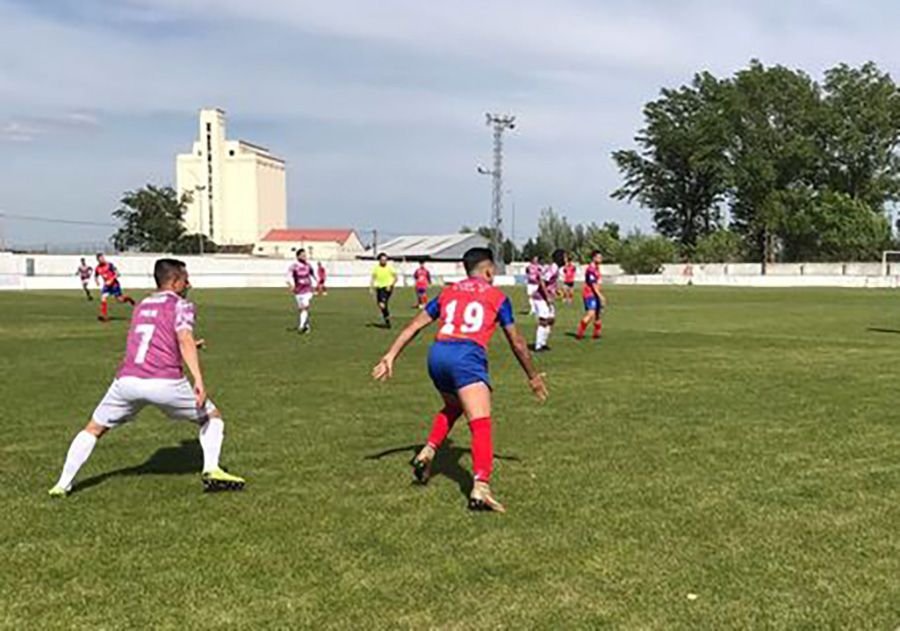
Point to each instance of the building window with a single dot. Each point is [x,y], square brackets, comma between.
[231,152]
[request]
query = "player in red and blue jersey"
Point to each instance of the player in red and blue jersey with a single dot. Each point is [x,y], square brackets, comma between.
[422,278]
[594,300]
[111,287]
[469,312]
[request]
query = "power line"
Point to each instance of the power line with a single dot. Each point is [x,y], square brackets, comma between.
[75,222]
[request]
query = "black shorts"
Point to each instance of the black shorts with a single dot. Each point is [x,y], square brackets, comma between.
[569,285]
[383,294]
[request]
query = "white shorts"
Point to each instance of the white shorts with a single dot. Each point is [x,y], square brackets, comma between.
[303,300]
[128,395]
[543,309]
[530,290]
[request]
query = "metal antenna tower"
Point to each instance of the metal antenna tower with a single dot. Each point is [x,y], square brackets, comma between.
[500,123]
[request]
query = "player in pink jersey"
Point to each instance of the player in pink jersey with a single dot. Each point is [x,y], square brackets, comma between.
[300,280]
[469,312]
[160,341]
[422,278]
[532,280]
[545,300]
[84,273]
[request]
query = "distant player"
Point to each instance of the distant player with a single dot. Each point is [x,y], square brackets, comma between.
[545,300]
[423,281]
[594,300]
[568,271]
[300,279]
[84,273]
[384,278]
[469,312]
[321,290]
[160,340]
[111,287]
[532,280]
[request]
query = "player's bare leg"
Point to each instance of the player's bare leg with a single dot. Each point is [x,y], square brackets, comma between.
[87,291]
[79,452]
[476,403]
[440,427]
[125,299]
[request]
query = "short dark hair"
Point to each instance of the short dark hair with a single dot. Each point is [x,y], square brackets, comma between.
[559,256]
[382,255]
[301,251]
[595,253]
[475,257]
[165,270]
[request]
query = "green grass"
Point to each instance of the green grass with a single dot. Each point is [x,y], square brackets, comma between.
[740,445]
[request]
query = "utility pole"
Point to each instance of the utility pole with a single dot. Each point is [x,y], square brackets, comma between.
[499,124]
[375,243]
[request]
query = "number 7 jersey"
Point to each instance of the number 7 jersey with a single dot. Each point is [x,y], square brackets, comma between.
[470,310]
[152,350]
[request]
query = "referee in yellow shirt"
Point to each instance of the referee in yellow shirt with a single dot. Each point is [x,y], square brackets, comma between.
[384,277]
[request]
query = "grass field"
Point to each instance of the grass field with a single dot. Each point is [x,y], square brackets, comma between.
[739,446]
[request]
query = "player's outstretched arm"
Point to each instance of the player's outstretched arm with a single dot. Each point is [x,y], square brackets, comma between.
[520,350]
[384,369]
[191,359]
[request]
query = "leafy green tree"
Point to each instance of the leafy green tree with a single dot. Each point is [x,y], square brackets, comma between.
[153,221]
[604,238]
[680,170]
[554,231]
[721,246]
[642,254]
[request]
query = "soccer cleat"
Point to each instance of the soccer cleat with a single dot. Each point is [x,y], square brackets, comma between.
[421,464]
[57,492]
[220,480]
[103,318]
[481,499]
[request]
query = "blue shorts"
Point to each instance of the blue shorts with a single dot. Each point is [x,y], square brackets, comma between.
[593,304]
[421,291]
[114,290]
[455,365]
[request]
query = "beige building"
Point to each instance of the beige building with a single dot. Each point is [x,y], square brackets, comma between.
[238,188]
[320,245]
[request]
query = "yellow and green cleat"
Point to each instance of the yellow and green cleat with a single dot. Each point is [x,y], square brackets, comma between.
[57,492]
[220,480]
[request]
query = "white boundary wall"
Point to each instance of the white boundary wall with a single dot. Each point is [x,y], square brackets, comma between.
[46,271]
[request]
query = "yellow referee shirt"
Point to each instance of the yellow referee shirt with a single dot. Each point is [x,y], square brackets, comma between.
[383,276]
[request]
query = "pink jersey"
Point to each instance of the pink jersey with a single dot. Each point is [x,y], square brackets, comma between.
[422,276]
[84,272]
[533,273]
[301,275]
[550,274]
[152,350]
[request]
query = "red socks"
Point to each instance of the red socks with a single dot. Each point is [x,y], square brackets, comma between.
[482,448]
[104,308]
[598,326]
[442,424]
[582,327]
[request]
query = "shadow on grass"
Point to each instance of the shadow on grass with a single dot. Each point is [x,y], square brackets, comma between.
[447,462]
[181,460]
[377,325]
[875,329]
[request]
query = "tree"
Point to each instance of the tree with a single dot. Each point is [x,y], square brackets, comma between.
[554,231]
[642,254]
[508,249]
[153,221]
[680,170]
[721,246]
[603,238]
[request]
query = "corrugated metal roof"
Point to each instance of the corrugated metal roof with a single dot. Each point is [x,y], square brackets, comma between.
[430,246]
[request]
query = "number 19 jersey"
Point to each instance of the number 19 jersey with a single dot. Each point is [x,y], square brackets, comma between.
[470,310]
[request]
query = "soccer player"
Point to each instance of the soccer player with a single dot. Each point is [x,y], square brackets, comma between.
[545,300]
[321,290]
[84,273]
[594,300]
[300,278]
[423,280]
[384,278]
[532,280]
[469,312]
[111,287]
[160,340]
[569,270]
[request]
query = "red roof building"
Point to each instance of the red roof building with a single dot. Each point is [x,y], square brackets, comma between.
[319,243]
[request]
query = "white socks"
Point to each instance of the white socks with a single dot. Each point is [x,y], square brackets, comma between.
[79,451]
[212,433]
[304,318]
[541,336]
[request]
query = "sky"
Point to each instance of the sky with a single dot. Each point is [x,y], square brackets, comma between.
[377,107]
